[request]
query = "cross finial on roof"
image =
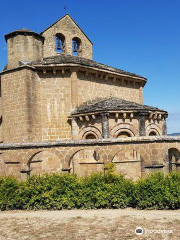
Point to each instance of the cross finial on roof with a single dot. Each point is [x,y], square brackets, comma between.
[65,7]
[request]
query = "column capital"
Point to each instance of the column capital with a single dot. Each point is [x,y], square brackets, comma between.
[66,170]
[74,69]
[104,114]
[143,114]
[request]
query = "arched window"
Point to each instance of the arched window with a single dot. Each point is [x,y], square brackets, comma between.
[90,136]
[76,46]
[60,43]
[123,135]
[152,133]
[174,159]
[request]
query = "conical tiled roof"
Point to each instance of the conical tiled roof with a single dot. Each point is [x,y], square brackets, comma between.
[114,104]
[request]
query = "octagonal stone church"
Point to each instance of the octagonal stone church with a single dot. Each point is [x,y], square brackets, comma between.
[63,112]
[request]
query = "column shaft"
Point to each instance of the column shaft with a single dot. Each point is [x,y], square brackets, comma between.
[142,119]
[105,125]
[164,128]
[74,90]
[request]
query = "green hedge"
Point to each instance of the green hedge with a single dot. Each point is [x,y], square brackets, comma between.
[66,191]
[158,192]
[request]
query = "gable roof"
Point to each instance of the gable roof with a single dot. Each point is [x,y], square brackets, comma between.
[113,104]
[73,22]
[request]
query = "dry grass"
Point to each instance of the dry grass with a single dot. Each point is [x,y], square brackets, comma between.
[87,224]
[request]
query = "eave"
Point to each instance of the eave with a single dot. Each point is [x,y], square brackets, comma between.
[102,73]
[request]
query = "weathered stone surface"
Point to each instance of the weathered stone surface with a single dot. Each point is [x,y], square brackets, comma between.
[134,157]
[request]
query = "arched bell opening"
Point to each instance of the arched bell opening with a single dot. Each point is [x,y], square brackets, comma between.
[76,46]
[60,43]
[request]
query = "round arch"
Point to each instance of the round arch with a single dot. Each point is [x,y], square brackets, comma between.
[76,46]
[174,159]
[153,133]
[90,135]
[124,133]
[128,129]
[73,160]
[44,162]
[60,43]
[90,131]
[153,128]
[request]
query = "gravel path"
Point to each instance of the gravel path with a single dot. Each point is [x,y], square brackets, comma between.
[89,224]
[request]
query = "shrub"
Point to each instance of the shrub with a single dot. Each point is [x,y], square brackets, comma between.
[48,191]
[9,199]
[158,192]
[66,191]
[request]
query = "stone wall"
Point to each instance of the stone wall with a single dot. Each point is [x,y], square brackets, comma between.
[91,87]
[23,48]
[1,126]
[134,157]
[16,105]
[55,106]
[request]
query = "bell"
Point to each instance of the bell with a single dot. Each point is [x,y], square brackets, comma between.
[75,47]
[59,45]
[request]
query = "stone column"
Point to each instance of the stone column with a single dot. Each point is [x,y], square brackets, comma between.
[74,129]
[25,174]
[166,161]
[74,101]
[142,120]
[164,128]
[105,125]
[74,89]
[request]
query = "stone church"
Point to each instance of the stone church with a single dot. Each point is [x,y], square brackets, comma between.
[63,112]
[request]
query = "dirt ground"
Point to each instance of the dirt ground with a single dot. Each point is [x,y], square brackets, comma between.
[88,224]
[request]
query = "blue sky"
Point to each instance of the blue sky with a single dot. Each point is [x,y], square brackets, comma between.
[139,36]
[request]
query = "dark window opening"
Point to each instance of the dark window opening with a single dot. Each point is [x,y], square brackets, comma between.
[123,135]
[152,133]
[60,43]
[90,136]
